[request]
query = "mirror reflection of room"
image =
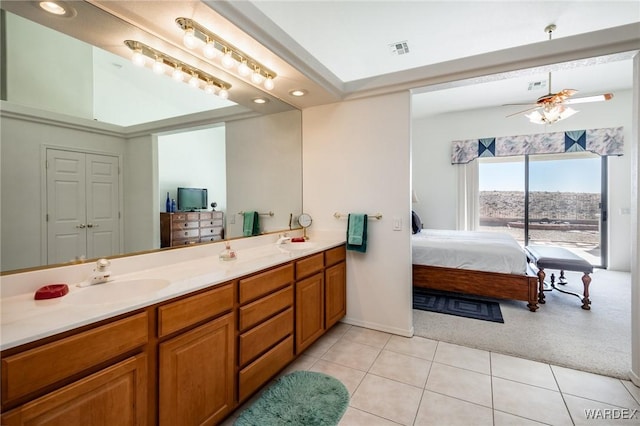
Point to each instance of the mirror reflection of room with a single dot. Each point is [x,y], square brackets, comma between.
[97,116]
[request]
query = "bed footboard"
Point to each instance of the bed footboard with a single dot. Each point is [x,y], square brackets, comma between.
[479,283]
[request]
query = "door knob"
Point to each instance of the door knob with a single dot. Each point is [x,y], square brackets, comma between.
[81,226]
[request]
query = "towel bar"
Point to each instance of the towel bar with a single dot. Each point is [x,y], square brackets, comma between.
[338,215]
[261,214]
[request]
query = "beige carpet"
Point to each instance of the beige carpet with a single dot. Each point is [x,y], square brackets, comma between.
[559,333]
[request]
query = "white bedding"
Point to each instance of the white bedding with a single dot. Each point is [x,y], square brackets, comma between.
[475,250]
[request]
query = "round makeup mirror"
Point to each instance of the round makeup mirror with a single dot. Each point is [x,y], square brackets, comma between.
[305,221]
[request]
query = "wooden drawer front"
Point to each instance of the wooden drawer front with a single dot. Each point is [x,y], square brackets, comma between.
[206,215]
[116,395]
[36,368]
[309,265]
[176,226]
[211,223]
[209,232]
[182,242]
[335,255]
[211,238]
[262,337]
[186,233]
[261,370]
[183,313]
[261,284]
[259,310]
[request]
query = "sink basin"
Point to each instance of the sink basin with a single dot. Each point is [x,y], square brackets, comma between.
[293,247]
[116,291]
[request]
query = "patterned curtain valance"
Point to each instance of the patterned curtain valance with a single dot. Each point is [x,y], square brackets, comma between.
[608,141]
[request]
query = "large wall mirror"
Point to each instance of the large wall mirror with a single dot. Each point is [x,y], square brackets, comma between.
[91,144]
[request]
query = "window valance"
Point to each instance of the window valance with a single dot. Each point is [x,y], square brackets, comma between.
[609,141]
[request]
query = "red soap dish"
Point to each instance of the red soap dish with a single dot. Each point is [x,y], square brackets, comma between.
[298,240]
[51,291]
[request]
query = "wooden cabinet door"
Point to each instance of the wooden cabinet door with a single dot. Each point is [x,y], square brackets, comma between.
[309,311]
[197,375]
[116,395]
[335,294]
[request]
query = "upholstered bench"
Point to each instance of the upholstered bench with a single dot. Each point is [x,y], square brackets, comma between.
[549,257]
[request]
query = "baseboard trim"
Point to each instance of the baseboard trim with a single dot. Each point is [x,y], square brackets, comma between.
[379,327]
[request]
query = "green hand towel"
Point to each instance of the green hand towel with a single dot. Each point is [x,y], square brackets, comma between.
[357,232]
[247,224]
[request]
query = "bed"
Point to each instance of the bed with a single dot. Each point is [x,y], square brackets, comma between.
[489,264]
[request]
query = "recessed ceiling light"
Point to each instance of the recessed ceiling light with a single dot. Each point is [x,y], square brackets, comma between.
[260,100]
[297,92]
[58,8]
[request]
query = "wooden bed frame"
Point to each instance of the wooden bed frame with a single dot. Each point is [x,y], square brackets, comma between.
[479,283]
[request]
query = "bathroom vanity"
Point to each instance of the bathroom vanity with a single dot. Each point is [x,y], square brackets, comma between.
[188,354]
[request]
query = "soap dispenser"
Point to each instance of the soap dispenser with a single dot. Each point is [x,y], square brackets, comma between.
[228,253]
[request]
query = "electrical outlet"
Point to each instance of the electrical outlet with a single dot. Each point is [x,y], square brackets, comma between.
[232,219]
[397,223]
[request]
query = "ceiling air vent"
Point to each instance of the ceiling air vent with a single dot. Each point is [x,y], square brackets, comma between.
[537,85]
[399,48]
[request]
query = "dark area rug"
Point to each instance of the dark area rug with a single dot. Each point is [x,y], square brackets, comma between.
[456,304]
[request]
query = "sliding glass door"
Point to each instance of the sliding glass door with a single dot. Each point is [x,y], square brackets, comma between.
[551,199]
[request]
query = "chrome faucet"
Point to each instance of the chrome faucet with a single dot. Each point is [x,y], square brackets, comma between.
[100,274]
[283,239]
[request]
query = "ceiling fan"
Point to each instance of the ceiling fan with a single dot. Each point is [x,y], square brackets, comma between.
[553,107]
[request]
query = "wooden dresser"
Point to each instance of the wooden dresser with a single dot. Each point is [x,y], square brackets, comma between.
[177,229]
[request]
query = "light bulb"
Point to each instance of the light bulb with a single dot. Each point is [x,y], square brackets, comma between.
[227,60]
[268,83]
[189,38]
[53,7]
[223,93]
[210,89]
[158,66]
[138,58]
[177,74]
[243,69]
[256,77]
[194,81]
[210,50]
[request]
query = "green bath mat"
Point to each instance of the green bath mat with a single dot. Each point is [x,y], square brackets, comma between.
[300,398]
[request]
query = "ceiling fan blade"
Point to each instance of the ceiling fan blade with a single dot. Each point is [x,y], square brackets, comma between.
[596,98]
[521,112]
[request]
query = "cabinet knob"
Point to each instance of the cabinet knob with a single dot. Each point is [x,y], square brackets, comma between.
[81,226]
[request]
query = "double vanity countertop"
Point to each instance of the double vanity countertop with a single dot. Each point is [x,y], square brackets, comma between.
[24,319]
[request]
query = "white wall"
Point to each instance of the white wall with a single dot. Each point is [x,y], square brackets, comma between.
[263,163]
[193,159]
[22,144]
[47,69]
[435,180]
[356,159]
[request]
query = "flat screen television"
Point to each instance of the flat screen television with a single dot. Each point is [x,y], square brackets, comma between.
[192,199]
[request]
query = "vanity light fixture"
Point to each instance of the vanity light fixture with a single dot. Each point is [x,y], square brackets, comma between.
[213,46]
[179,70]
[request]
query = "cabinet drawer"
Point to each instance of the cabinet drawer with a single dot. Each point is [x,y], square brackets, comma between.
[206,215]
[261,284]
[184,217]
[335,255]
[258,372]
[211,238]
[262,337]
[183,313]
[309,265]
[211,223]
[206,232]
[185,233]
[255,312]
[185,242]
[36,368]
[113,396]
[177,226]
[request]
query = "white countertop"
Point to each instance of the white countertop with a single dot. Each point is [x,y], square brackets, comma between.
[24,319]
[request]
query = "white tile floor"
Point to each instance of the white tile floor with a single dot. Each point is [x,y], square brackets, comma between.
[415,381]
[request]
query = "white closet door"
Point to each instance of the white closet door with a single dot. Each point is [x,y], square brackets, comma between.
[103,236]
[66,206]
[82,205]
